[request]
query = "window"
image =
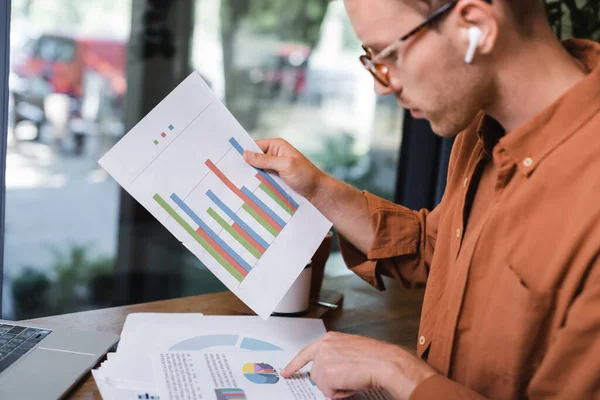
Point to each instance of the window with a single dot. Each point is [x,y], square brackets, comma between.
[284,69]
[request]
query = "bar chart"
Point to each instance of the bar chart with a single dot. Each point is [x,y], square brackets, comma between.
[231,222]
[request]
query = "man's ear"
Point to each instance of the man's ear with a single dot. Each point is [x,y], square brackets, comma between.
[477,28]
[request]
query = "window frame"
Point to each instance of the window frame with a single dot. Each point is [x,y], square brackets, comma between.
[4,73]
[407,190]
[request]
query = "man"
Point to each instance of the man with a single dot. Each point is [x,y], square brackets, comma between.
[511,256]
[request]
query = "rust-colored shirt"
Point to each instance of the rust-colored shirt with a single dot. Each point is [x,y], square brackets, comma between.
[511,256]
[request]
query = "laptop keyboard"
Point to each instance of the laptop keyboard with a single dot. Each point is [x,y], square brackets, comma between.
[16,341]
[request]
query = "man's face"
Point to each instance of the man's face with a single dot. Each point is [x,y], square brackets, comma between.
[428,72]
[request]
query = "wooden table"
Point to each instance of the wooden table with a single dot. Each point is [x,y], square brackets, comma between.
[392,316]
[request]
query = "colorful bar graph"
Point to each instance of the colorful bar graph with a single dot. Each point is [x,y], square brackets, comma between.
[214,243]
[211,234]
[263,206]
[238,221]
[276,187]
[286,206]
[260,219]
[147,396]
[241,240]
[274,226]
[230,394]
[211,250]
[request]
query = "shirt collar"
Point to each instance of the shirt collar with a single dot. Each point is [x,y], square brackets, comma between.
[532,142]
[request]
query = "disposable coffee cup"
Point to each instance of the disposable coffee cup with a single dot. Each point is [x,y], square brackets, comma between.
[296,301]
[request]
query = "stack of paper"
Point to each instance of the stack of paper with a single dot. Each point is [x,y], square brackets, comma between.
[190,356]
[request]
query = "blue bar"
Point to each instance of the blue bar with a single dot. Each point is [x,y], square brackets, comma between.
[268,177]
[263,206]
[210,232]
[236,146]
[237,219]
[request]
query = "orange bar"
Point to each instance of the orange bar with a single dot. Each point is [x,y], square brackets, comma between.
[222,252]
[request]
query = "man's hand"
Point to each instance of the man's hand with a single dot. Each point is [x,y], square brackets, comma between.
[340,203]
[346,364]
[295,169]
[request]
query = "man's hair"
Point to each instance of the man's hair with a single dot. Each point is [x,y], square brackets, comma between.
[523,10]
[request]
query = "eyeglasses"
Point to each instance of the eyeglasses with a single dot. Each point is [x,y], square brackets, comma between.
[372,61]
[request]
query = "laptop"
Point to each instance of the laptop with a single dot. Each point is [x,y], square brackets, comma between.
[44,364]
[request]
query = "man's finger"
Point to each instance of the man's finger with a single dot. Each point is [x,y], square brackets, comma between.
[265,161]
[305,356]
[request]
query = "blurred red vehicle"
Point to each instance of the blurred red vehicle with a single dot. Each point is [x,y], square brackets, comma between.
[62,61]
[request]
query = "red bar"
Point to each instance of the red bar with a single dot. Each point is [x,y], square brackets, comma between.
[242,196]
[222,252]
[277,193]
[249,238]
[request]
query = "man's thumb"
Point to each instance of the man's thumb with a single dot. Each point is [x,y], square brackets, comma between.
[263,161]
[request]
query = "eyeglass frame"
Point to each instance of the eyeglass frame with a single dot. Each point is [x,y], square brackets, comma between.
[370,64]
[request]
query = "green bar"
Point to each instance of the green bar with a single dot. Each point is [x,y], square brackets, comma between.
[260,220]
[198,238]
[272,195]
[233,233]
[156,142]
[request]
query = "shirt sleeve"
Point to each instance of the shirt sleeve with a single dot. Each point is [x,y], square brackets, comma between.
[403,245]
[404,239]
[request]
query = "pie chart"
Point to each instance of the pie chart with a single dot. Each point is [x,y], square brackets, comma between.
[223,341]
[260,373]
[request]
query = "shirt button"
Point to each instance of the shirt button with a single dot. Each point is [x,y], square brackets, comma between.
[422,340]
[466,182]
[458,233]
[528,162]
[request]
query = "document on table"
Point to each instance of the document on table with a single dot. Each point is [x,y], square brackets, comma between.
[128,373]
[183,162]
[234,375]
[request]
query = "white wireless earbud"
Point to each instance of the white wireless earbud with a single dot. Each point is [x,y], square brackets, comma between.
[475,35]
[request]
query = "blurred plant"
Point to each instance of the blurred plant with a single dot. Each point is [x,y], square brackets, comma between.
[337,156]
[75,282]
[75,273]
[576,18]
[339,159]
[30,293]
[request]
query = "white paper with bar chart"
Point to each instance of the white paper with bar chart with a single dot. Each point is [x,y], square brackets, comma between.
[183,162]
